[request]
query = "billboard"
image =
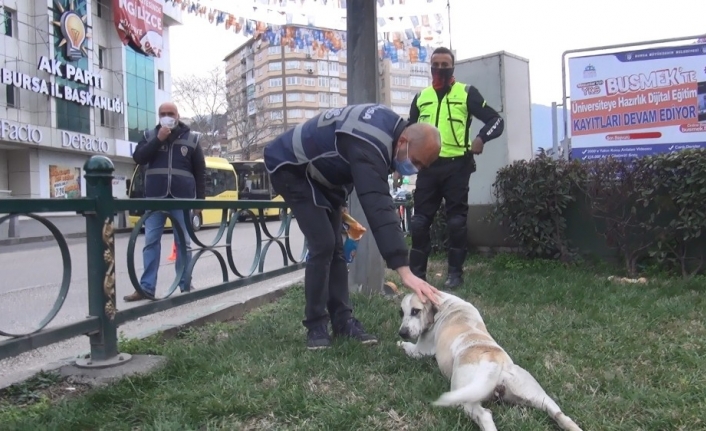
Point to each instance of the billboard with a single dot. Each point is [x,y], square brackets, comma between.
[636,103]
[139,24]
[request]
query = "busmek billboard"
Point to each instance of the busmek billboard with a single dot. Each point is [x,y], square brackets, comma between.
[635,103]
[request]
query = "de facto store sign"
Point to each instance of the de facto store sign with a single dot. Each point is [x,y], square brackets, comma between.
[11,131]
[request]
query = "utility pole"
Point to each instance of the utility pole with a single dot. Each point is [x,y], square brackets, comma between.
[367,272]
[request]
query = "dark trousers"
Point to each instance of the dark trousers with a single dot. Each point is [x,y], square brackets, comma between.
[326,273]
[447,179]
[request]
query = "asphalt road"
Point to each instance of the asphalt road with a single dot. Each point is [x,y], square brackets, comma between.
[30,274]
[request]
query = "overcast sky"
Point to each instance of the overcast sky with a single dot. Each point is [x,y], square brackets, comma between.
[539,30]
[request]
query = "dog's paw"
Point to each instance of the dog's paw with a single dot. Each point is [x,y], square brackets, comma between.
[400,344]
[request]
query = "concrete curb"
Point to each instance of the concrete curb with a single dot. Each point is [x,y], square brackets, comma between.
[224,312]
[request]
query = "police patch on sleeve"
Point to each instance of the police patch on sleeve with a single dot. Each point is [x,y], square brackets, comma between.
[331,113]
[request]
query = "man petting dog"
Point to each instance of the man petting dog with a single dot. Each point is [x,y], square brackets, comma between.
[314,167]
[469,357]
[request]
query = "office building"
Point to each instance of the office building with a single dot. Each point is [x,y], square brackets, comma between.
[71,89]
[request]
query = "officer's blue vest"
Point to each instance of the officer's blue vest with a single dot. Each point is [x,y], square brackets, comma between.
[171,172]
[313,143]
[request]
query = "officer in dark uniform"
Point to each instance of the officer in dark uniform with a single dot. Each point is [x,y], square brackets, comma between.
[450,106]
[176,168]
[315,166]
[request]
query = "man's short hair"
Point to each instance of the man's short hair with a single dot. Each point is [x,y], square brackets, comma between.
[444,50]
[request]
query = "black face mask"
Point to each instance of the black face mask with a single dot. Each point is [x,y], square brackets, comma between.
[441,78]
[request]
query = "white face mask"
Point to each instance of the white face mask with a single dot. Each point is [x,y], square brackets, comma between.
[168,122]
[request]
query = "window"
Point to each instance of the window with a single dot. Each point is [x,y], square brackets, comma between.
[334,100]
[335,82]
[309,65]
[310,113]
[160,79]
[11,95]
[418,81]
[420,68]
[102,57]
[98,7]
[292,65]
[219,181]
[309,97]
[10,22]
[323,67]
[400,95]
[333,67]
[399,81]
[324,82]
[294,97]
[401,110]
[294,80]
[344,85]
[294,113]
[310,82]
[324,98]
[102,115]
[70,115]
[275,82]
[140,83]
[274,50]
[276,98]
[275,65]
[276,115]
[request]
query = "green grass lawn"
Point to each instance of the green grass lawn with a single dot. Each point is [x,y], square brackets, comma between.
[614,357]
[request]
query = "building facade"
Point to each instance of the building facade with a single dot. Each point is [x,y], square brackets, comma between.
[71,90]
[272,88]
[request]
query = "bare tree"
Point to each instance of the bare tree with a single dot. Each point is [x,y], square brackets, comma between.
[250,122]
[206,97]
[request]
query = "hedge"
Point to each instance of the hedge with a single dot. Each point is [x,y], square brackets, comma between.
[650,210]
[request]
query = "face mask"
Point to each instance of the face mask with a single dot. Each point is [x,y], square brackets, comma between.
[441,78]
[404,167]
[168,122]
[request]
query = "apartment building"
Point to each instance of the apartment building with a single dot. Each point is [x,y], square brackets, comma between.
[272,88]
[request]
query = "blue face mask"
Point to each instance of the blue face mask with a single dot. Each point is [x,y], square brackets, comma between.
[404,167]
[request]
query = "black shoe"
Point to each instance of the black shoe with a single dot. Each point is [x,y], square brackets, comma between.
[318,338]
[354,329]
[453,281]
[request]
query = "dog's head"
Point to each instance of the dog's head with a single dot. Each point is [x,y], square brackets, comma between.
[417,317]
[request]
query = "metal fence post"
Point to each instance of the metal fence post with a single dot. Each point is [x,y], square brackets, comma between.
[100,252]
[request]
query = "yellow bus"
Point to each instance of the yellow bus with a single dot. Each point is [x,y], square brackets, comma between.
[254,184]
[221,184]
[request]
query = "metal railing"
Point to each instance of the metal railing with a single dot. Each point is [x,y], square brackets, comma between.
[98,208]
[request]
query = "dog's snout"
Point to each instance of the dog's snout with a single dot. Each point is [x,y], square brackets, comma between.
[404,333]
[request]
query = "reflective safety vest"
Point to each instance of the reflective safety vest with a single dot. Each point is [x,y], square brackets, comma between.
[450,116]
[313,144]
[171,172]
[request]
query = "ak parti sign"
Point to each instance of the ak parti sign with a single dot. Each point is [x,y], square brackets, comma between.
[139,24]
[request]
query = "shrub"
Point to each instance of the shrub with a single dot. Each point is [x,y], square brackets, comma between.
[613,188]
[648,207]
[675,199]
[532,197]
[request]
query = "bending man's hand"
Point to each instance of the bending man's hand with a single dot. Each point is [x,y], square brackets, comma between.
[425,291]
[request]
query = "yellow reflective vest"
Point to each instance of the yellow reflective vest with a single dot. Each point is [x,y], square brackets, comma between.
[450,116]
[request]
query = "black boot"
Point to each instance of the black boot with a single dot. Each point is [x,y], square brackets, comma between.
[418,263]
[456,258]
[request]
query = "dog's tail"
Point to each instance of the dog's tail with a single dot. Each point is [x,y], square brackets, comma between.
[481,387]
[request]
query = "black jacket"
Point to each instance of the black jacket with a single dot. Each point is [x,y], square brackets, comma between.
[176,167]
[370,172]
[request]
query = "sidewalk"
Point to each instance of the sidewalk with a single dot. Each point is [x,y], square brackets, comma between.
[27,230]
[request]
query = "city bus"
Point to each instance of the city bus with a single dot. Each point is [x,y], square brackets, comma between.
[254,184]
[221,184]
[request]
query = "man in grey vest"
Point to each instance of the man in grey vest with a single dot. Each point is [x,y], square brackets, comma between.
[176,169]
[314,167]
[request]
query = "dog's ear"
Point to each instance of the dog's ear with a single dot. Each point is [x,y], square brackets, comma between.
[432,309]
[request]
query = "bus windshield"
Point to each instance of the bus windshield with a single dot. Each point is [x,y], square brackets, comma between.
[253,181]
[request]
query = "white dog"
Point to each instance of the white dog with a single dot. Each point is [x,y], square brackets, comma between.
[467,355]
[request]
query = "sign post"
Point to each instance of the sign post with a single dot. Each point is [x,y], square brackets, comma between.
[367,272]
